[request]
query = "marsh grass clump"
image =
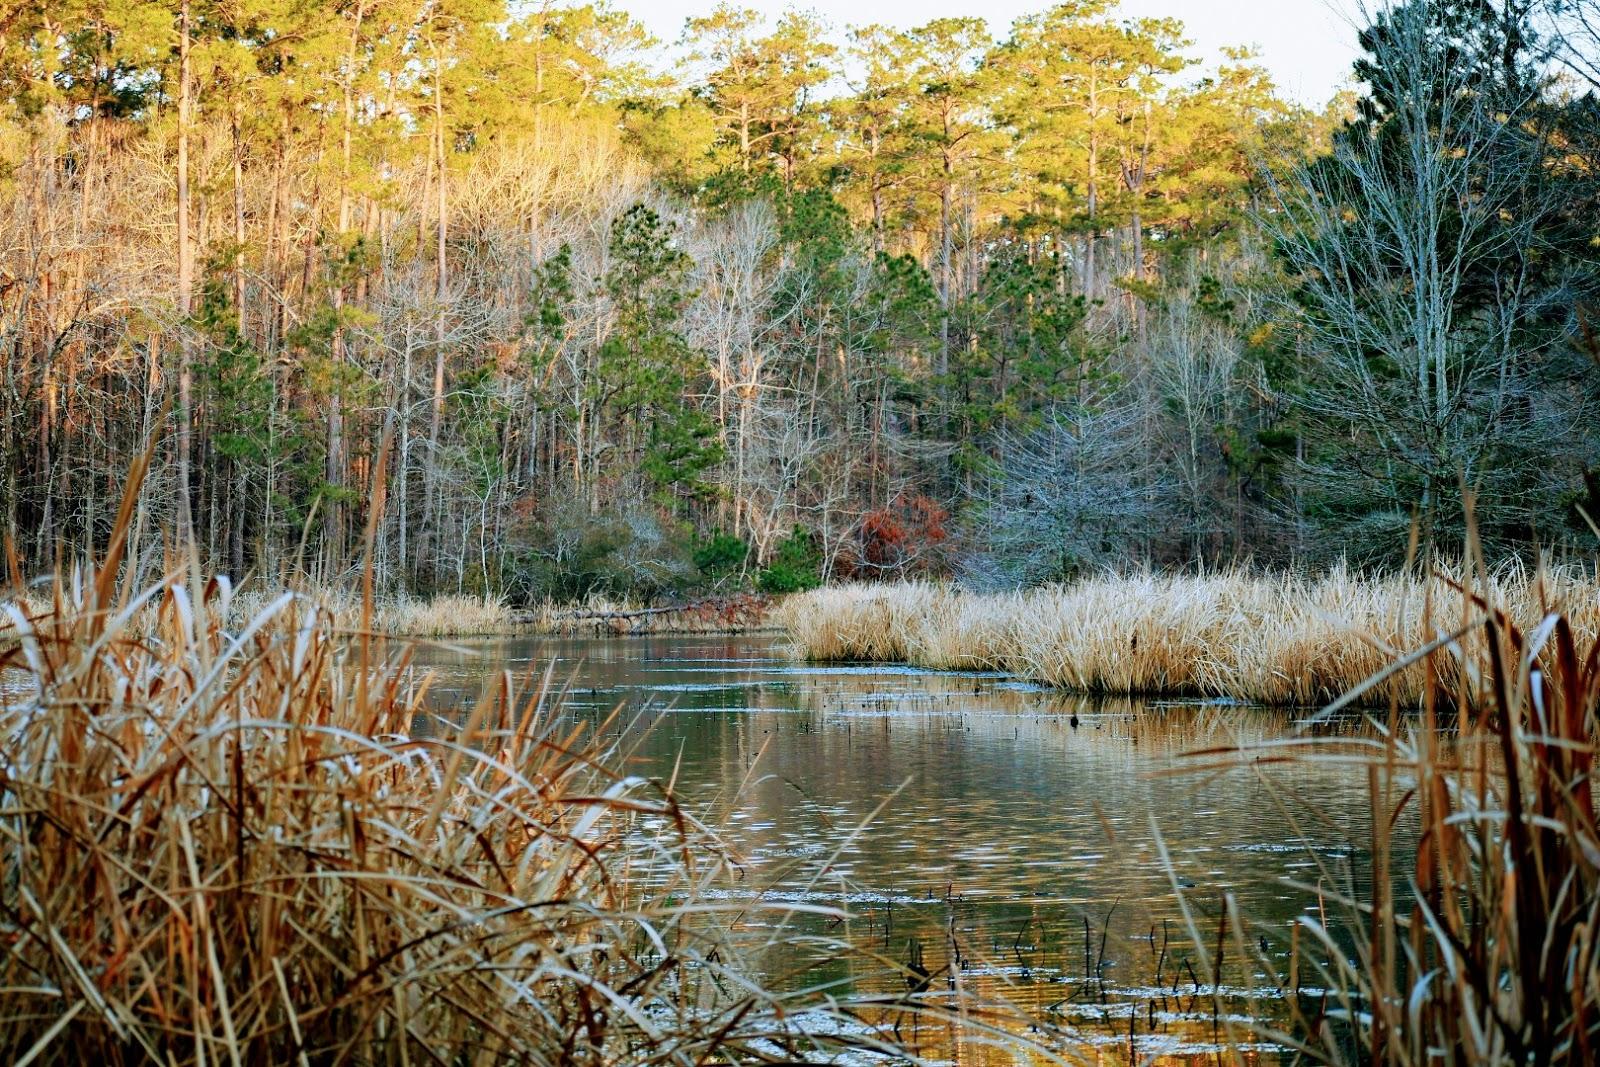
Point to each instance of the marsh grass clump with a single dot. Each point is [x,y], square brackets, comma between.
[233,843]
[1281,640]
[1472,933]
[450,615]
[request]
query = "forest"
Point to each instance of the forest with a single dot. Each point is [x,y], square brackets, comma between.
[559,309]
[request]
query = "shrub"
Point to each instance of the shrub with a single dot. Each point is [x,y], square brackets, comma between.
[567,554]
[796,565]
[905,538]
[719,556]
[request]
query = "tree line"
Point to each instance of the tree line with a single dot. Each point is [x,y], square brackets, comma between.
[558,315]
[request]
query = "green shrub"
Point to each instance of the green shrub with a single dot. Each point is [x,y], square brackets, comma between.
[795,566]
[719,556]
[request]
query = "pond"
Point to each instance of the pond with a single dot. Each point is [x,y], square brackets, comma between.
[1011,832]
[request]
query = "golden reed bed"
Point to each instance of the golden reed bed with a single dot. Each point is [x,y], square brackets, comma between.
[1280,640]
[242,846]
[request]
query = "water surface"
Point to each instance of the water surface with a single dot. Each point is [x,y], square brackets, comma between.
[1011,832]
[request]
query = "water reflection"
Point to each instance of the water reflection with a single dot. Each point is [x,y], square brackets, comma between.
[1008,834]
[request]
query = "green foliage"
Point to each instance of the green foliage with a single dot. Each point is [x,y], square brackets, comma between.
[236,391]
[720,556]
[796,565]
[761,87]
[553,290]
[675,139]
[646,363]
[1028,352]
[729,187]
[681,447]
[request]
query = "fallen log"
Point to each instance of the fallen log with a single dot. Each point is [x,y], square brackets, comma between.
[581,614]
[731,611]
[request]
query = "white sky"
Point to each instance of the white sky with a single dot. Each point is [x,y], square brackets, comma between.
[1306,44]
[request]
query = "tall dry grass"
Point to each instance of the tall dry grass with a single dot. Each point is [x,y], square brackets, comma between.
[401,615]
[1282,640]
[482,615]
[398,615]
[229,842]
[1472,935]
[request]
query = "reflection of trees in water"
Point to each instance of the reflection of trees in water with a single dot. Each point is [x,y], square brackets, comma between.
[1020,840]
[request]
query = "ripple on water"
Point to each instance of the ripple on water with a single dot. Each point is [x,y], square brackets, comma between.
[1009,830]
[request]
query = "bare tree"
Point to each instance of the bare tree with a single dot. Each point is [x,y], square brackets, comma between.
[1419,295]
[730,320]
[1070,495]
[1193,361]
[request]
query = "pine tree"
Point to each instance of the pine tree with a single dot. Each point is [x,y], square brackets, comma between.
[762,89]
[646,365]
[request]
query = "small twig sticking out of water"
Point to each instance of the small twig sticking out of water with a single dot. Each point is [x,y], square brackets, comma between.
[917,978]
[1216,975]
[1105,931]
[1222,946]
[957,961]
[1161,961]
[1016,947]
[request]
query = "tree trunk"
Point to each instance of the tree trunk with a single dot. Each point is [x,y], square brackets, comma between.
[744,135]
[441,293]
[185,283]
[334,513]
[238,223]
[1092,187]
[945,249]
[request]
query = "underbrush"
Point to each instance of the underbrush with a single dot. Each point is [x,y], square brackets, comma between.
[596,614]
[1281,640]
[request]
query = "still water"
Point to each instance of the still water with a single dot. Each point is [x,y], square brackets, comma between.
[1012,833]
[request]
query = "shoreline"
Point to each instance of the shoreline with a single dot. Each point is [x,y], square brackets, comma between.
[452,616]
[457,616]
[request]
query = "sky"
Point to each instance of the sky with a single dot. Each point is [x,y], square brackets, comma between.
[1306,44]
